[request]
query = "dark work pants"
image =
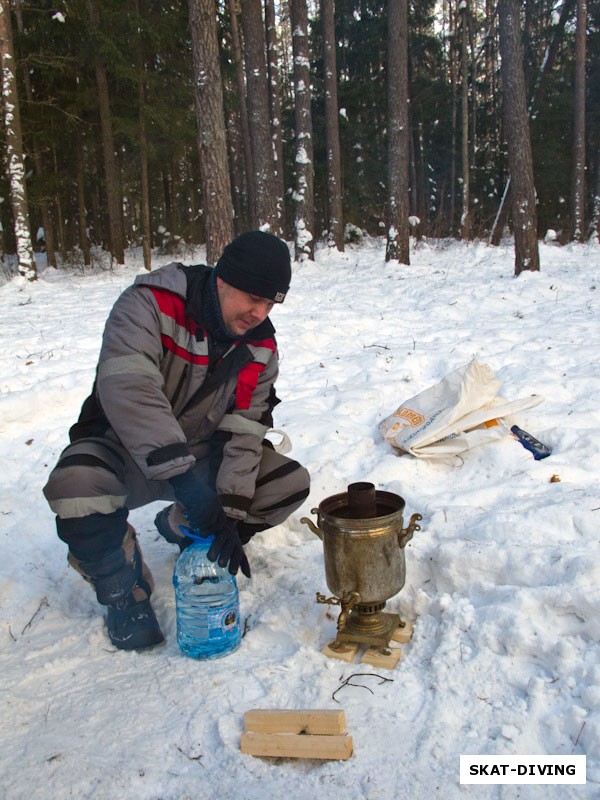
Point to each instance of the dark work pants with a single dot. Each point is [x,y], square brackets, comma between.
[95,483]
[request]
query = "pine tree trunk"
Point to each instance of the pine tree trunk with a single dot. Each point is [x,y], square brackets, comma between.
[84,241]
[257,88]
[490,51]
[45,205]
[454,116]
[518,138]
[99,225]
[275,101]
[303,195]
[536,101]
[168,205]
[237,171]
[398,237]
[578,182]
[144,181]
[412,168]
[216,185]
[421,191]
[238,62]
[15,160]
[335,234]
[144,185]
[111,172]
[62,238]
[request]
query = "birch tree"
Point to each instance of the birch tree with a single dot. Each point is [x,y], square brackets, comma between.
[44,202]
[578,181]
[15,161]
[304,190]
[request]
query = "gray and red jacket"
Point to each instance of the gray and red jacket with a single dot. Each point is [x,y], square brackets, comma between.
[158,394]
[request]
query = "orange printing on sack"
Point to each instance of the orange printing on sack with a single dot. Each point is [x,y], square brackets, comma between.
[413,417]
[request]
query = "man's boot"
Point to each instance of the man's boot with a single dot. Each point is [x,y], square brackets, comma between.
[123,584]
[169,522]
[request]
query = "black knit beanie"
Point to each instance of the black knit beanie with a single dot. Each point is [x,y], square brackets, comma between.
[257,262]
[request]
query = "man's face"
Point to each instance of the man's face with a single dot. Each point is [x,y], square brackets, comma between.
[240,310]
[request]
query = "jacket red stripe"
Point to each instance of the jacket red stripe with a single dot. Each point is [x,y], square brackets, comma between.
[173,306]
[182,352]
[247,383]
[249,375]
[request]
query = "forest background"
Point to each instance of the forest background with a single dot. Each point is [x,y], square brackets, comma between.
[161,125]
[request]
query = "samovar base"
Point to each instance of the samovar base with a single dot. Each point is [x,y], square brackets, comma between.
[374,629]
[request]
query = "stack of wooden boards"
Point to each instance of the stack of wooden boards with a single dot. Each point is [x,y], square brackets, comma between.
[288,733]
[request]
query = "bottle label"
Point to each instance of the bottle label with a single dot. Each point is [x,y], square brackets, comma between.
[224,618]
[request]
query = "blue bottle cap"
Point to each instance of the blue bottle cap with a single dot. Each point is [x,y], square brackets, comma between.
[196,535]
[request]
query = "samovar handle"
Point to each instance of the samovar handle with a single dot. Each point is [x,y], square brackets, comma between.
[307,521]
[406,534]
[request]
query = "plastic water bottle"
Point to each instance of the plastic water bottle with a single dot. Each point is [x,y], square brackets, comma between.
[207,603]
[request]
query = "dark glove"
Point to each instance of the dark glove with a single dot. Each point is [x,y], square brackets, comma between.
[227,547]
[205,514]
[200,502]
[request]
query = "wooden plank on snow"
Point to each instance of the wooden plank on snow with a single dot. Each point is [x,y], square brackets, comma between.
[281,720]
[291,745]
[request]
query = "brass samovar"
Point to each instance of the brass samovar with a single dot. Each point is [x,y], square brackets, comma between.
[363,545]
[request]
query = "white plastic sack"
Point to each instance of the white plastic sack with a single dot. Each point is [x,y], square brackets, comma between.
[461,412]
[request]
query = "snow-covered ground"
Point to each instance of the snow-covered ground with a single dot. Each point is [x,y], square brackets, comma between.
[503,581]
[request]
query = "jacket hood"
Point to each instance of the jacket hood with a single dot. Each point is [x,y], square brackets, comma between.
[170,277]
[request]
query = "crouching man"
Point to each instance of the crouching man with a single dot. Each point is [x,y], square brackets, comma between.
[182,400]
